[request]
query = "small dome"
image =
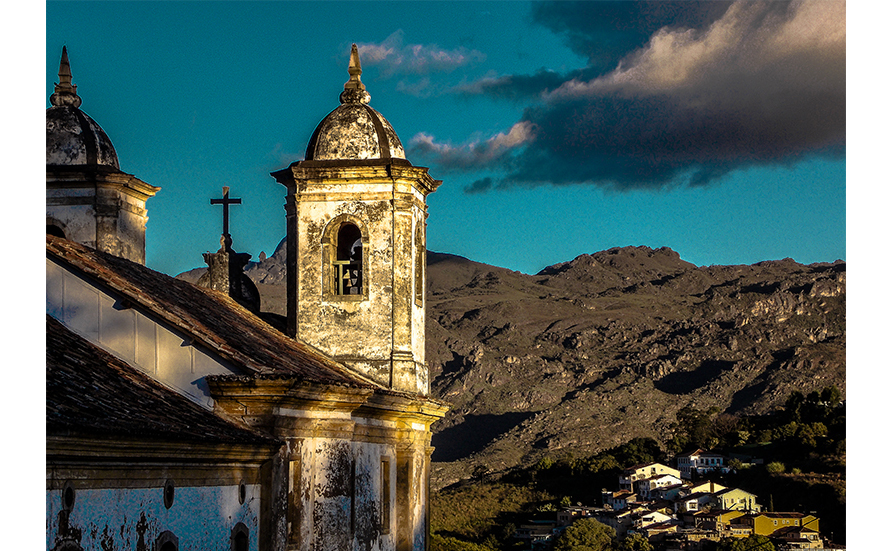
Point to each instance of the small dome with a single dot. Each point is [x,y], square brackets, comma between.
[72,137]
[354,130]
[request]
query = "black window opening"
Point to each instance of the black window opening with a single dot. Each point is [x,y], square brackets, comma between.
[55,230]
[239,538]
[348,261]
[167,541]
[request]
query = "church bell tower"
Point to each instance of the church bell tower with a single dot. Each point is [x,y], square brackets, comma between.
[356,243]
[88,199]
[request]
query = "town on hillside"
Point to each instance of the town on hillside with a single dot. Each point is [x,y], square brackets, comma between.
[678,509]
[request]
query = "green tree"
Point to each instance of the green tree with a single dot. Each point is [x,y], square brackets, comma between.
[809,434]
[586,534]
[448,543]
[775,467]
[696,425]
[635,542]
[749,543]
[544,464]
[793,406]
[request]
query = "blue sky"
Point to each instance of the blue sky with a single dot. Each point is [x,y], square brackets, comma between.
[716,129]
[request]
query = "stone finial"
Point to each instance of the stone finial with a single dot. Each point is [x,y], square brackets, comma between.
[65,92]
[354,89]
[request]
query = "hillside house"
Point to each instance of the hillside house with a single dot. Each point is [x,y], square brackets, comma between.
[645,470]
[565,517]
[717,520]
[767,524]
[646,487]
[692,502]
[643,518]
[707,486]
[619,520]
[699,462]
[671,492]
[737,499]
[538,532]
[619,500]
[658,532]
[797,537]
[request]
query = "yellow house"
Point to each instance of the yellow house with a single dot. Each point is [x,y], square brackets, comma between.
[766,524]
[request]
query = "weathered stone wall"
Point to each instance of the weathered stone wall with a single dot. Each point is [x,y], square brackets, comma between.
[104,211]
[379,331]
[131,519]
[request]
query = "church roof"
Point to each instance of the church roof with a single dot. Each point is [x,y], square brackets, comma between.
[92,392]
[72,137]
[210,318]
[354,131]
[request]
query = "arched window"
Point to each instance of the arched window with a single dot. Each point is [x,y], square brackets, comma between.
[238,541]
[55,230]
[347,264]
[167,541]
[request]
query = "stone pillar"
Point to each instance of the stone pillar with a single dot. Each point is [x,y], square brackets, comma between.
[226,275]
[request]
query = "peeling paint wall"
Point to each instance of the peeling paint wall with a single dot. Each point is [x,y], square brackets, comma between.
[202,518]
[139,340]
[337,485]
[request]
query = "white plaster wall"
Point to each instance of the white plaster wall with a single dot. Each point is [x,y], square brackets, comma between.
[201,517]
[131,335]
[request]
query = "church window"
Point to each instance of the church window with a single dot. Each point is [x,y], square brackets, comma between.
[385,495]
[242,492]
[168,494]
[55,230]
[167,541]
[238,541]
[68,496]
[347,270]
[420,261]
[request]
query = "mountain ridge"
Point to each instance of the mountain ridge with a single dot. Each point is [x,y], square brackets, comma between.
[589,353]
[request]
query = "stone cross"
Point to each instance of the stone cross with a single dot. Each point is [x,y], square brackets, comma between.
[226,201]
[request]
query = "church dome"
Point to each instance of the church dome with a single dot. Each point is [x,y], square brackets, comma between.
[354,131]
[72,137]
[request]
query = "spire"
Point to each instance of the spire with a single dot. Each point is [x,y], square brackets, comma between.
[65,91]
[354,89]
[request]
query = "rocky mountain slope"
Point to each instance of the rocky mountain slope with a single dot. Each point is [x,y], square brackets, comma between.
[590,353]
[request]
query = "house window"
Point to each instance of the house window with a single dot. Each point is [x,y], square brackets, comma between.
[347,265]
[385,495]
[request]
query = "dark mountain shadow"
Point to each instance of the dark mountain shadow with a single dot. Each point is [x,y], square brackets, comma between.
[473,434]
[687,381]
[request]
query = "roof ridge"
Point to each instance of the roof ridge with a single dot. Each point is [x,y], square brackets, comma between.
[107,270]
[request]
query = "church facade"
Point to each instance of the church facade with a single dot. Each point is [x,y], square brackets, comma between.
[181,417]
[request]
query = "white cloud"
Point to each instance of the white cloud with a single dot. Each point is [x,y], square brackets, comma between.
[394,57]
[476,153]
[754,45]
